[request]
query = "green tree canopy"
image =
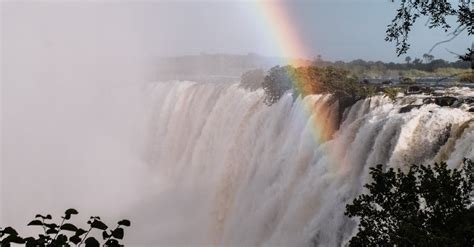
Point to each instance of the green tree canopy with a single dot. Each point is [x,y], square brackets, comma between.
[426,206]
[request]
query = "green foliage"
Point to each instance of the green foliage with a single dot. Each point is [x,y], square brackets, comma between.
[313,80]
[375,69]
[426,206]
[277,82]
[407,80]
[65,234]
[467,77]
[391,92]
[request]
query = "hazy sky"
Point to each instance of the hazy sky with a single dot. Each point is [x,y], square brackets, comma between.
[339,30]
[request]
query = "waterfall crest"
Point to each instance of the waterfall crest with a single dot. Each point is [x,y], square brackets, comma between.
[246,174]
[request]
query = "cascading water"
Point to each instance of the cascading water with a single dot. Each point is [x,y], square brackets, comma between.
[232,171]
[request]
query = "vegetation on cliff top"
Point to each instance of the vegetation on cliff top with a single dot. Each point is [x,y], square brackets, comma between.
[425,206]
[313,80]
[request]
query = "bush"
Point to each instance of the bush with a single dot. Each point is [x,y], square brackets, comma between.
[467,77]
[407,81]
[277,82]
[252,80]
[427,206]
[391,92]
[55,235]
[314,80]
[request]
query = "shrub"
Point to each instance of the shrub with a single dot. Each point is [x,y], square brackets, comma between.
[467,77]
[426,206]
[314,80]
[65,234]
[252,79]
[391,92]
[277,82]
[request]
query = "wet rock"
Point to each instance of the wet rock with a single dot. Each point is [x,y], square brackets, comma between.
[469,101]
[429,101]
[408,108]
[413,90]
[445,101]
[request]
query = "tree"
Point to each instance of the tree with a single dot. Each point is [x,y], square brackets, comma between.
[314,80]
[428,58]
[437,12]
[416,62]
[408,59]
[55,234]
[252,79]
[277,82]
[426,206]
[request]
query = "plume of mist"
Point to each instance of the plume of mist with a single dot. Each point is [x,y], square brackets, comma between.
[71,110]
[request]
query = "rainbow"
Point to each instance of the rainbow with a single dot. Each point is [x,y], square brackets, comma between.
[291,47]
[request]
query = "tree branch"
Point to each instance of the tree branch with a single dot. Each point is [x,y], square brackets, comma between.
[448,40]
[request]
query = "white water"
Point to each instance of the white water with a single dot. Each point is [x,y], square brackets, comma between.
[230,171]
[217,166]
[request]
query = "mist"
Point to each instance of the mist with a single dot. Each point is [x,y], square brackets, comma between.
[85,124]
[72,110]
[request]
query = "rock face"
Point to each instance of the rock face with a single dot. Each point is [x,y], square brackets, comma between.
[408,108]
[413,90]
[444,101]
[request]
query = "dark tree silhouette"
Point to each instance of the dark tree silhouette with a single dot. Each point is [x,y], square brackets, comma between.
[427,206]
[65,234]
[408,59]
[252,79]
[437,12]
[277,82]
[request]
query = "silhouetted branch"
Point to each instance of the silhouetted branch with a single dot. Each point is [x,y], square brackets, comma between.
[448,40]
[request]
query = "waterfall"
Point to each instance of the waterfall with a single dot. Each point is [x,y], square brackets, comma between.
[232,171]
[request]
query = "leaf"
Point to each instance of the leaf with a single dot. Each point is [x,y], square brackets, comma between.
[75,239]
[44,237]
[47,217]
[31,242]
[51,226]
[118,233]
[99,225]
[13,239]
[35,223]
[92,242]
[105,235]
[61,239]
[69,227]
[52,231]
[124,222]
[10,230]
[80,231]
[71,211]
[112,243]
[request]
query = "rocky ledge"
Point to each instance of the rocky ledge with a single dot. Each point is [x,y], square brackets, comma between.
[462,101]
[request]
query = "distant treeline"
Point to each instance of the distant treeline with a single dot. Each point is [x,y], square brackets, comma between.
[199,67]
[418,67]
[429,65]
